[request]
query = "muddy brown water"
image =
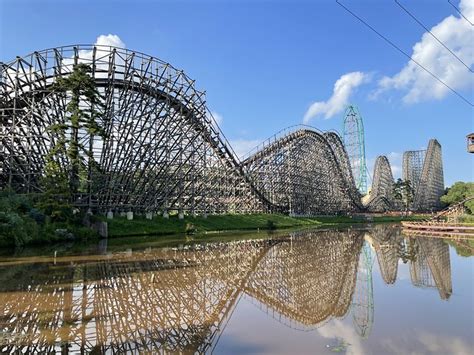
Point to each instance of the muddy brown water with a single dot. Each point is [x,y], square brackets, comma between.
[363,290]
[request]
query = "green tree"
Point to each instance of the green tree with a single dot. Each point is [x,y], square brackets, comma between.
[459,192]
[55,201]
[403,192]
[70,164]
[82,112]
[17,227]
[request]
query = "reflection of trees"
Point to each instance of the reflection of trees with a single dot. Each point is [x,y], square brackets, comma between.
[179,299]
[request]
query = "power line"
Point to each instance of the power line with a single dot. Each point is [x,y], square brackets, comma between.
[431,33]
[404,53]
[460,13]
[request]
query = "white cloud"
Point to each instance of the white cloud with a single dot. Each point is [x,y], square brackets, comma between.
[337,329]
[426,343]
[102,55]
[110,40]
[457,34]
[343,89]
[243,146]
[85,56]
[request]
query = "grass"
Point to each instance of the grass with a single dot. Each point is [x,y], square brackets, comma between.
[121,227]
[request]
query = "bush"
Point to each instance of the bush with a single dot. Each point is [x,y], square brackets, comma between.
[190,228]
[37,216]
[458,192]
[11,202]
[16,230]
[271,225]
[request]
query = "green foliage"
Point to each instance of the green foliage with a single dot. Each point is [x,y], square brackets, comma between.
[458,192]
[81,114]
[467,219]
[190,228]
[55,200]
[271,225]
[37,216]
[403,192]
[11,202]
[21,223]
[408,250]
[16,229]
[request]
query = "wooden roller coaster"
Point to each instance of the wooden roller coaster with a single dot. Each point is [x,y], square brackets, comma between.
[444,223]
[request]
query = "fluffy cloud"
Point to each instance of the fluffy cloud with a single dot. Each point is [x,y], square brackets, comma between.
[110,40]
[102,54]
[457,34]
[85,56]
[343,89]
[426,343]
[337,329]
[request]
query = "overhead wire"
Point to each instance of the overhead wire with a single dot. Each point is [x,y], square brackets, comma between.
[460,13]
[404,53]
[432,34]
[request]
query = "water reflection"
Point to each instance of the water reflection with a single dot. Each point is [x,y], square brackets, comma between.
[180,299]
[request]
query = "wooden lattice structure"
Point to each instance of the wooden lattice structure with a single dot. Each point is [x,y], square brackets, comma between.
[381,197]
[432,267]
[305,172]
[162,150]
[424,169]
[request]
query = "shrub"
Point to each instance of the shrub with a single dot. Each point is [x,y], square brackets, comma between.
[15,229]
[270,225]
[11,202]
[190,228]
[458,192]
[37,216]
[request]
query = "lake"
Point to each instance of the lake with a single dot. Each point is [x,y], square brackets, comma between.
[361,290]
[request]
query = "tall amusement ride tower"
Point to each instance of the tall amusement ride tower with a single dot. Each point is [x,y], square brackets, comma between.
[353,136]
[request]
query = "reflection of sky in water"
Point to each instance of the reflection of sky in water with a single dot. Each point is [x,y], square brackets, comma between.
[308,293]
[408,320]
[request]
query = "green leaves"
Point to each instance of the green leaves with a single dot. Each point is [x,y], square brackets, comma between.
[458,192]
[16,227]
[403,192]
[81,115]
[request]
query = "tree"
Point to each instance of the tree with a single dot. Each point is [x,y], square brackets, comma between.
[403,192]
[459,192]
[83,101]
[17,219]
[56,196]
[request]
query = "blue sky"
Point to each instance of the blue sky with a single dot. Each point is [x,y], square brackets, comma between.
[264,64]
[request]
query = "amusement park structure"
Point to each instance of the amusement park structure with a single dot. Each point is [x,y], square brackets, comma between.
[424,170]
[162,151]
[354,142]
